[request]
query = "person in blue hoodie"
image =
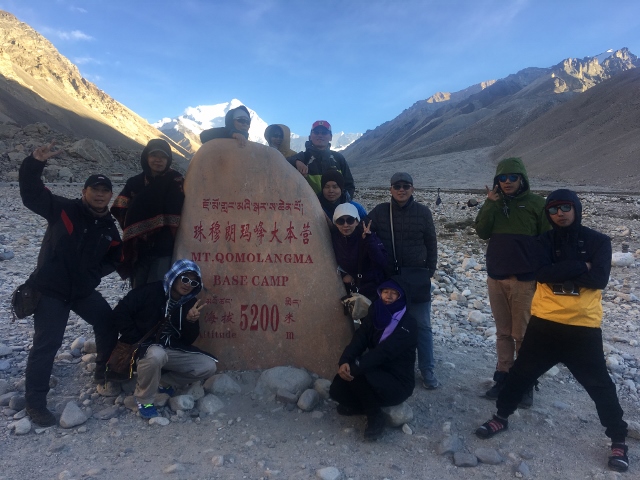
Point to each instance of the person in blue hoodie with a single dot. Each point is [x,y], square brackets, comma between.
[167,359]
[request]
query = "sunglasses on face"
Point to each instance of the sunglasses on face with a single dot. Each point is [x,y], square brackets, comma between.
[512,177]
[401,186]
[277,136]
[347,220]
[320,131]
[243,121]
[187,281]
[554,210]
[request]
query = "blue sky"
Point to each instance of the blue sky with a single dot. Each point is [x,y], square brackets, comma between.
[354,63]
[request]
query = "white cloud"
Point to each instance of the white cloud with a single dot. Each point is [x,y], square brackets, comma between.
[73,8]
[67,35]
[86,60]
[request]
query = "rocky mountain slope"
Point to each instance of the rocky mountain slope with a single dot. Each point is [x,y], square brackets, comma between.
[593,136]
[38,84]
[486,114]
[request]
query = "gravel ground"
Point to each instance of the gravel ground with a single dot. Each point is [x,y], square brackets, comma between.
[256,437]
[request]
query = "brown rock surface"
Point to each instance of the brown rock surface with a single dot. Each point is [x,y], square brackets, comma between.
[258,232]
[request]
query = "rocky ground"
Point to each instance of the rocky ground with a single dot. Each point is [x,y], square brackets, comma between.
[252,433]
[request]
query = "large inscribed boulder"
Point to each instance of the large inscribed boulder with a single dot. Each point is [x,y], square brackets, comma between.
[257,231]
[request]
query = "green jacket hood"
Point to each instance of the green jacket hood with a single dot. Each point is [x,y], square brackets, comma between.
[512,165]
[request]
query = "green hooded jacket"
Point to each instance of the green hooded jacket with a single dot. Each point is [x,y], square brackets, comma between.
[509,224]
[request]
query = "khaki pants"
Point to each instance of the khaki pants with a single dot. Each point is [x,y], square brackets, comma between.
[511,307]
[181,368]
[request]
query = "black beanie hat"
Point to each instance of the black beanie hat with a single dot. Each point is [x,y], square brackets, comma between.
[332,176]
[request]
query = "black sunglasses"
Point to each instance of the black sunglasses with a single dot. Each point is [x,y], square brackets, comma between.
[187,281]
[243,121]
[401,186]
[320,131]
[343,220]
[512,177]
[565,207]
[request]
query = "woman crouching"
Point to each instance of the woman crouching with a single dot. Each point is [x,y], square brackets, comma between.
[376,368]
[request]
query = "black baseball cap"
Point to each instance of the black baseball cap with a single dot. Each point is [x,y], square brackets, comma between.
[95,180]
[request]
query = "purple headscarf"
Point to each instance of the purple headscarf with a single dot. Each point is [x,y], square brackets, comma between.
[388,316]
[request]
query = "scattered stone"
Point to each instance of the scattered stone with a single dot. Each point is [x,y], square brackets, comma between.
[181,402]
[162,421]
[407,429]
[210,404]
[489,456]
[17,402]
[106,413]
[72,416]
[523,469]
[464,459]
[329,473]
[322,385]
[176,467]
[21,427]
[294,380]
[398,414]
[308,400]
[222,384]
[449,444]
[90,346]
[285,396]
[195,390]
[217,460]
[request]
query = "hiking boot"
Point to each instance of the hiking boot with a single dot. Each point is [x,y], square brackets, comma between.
[348,411]
[375,426]
[492,427]
[618,460]
[148,410]
[430,381]
[500,378]
[41,416]
[527,399]
[168,390]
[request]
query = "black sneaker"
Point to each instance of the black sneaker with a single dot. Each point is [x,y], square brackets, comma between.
[618,460]
[41,416]
[500,378]
[492,427]
[375,426]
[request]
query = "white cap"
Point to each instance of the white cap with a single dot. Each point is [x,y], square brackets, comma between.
[347,209]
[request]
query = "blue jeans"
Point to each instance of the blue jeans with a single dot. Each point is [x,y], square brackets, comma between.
[426,363]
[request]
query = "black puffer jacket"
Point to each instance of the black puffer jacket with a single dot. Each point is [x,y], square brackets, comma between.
[78,248]
[415,235]
[228,130]
[387,365]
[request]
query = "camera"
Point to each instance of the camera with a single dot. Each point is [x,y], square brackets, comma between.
[565,288]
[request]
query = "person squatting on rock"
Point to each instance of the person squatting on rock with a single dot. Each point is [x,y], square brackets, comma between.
[80,246]
[167,359]
[376,368]
[148,210]
[510,216]
[318,158]
[334,194]
[360,254]
[416,245]
[575,263]
[278,136]
[236,125]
